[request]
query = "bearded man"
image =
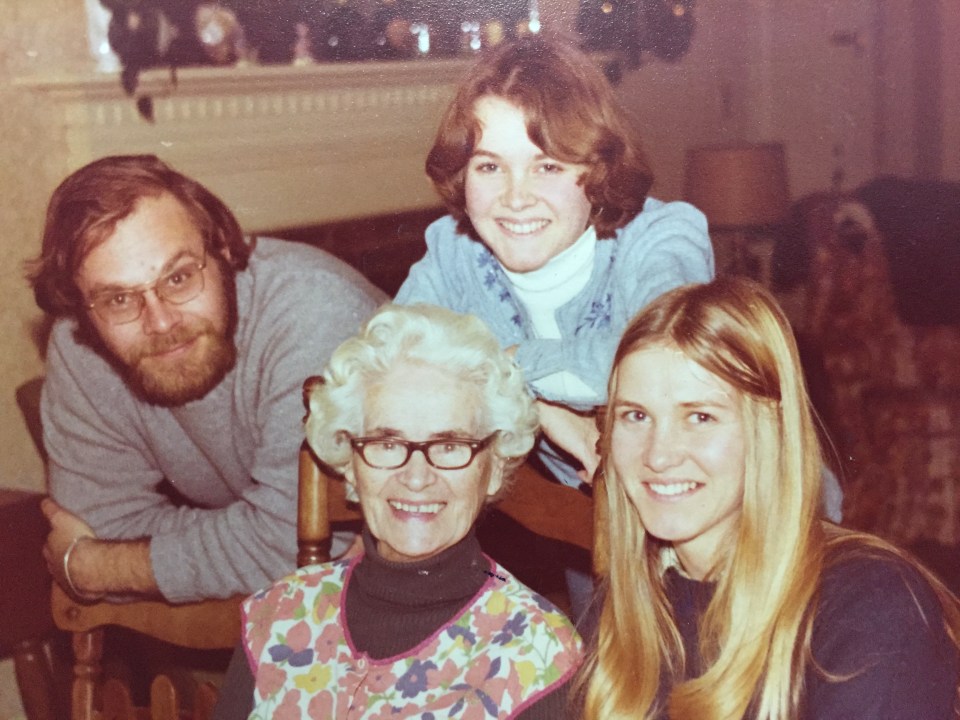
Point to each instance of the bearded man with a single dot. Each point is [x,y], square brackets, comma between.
[172,402]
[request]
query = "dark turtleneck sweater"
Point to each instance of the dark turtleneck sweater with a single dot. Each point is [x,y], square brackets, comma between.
[391,608]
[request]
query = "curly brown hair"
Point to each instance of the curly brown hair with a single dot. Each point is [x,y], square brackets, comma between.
[572,114]
[86,207]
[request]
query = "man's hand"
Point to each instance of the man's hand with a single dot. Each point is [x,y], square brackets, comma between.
[574,432]
[97,567]
[65,528]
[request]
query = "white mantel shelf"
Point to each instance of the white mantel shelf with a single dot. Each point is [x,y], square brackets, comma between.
[221,80]
[283,146]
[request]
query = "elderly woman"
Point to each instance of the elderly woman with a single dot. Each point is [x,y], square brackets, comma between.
[728,595]
[426,418]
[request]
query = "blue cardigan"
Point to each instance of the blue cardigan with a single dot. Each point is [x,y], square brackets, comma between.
[664,247]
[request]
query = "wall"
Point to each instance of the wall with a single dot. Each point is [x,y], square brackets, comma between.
[950,84]
[814,91]
[858,88]
[682,104]
[851,88]
[34,37]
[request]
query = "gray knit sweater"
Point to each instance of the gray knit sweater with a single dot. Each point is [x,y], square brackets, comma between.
[232,454]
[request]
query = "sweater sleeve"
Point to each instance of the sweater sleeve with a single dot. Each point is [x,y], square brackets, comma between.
[99,466]
[880,628]
[664,247]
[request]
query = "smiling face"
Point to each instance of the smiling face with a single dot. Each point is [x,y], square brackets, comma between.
[417,511]
[526,206]
[172,353]
[678,447]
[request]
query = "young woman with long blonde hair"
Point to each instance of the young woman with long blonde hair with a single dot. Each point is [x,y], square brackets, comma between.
[727,594]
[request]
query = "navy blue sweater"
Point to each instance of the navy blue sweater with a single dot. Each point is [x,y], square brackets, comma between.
[877,619]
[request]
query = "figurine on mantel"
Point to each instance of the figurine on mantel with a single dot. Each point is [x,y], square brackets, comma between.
[178,33]
[390,25]
[153,33]
[302,54]
[339,31]
[141,35]
[219,33]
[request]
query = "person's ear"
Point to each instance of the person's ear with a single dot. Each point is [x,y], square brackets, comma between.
[351,479]
[497,471]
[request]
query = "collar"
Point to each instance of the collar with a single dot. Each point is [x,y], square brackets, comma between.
[574,262]
[457,573]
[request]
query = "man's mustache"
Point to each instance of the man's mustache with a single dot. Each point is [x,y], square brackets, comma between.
[180,335]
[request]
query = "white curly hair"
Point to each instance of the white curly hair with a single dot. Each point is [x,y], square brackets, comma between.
[434,336]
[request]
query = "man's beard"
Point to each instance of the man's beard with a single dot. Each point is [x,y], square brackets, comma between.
[169,383]
[185,379]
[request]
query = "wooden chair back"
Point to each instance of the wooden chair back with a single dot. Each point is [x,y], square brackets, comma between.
[207,625]
[321,501]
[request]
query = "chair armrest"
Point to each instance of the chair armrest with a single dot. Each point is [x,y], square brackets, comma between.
[206,625]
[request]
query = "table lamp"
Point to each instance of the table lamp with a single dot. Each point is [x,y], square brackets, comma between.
[742,189]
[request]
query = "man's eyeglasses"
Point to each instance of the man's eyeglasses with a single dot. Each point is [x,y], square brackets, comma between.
[386,453]
[177,287]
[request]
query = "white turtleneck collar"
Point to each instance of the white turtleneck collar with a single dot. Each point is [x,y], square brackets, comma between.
[572,267]
[544,291]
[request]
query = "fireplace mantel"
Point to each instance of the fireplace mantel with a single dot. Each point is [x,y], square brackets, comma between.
[283,146]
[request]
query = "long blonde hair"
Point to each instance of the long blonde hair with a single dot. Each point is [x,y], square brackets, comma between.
[755,634]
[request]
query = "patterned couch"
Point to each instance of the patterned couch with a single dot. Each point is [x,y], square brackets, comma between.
[890,351]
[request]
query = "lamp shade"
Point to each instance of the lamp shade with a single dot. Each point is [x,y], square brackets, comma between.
[738,186]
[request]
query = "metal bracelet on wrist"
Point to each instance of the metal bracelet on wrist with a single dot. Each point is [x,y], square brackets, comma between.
[66,573]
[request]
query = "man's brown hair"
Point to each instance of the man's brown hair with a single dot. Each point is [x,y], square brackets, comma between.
[86,207]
